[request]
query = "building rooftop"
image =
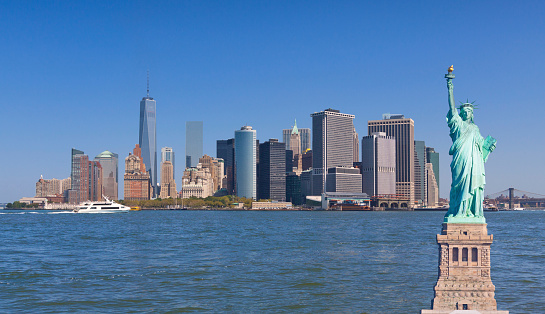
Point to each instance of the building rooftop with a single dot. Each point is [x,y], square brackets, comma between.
[106,154]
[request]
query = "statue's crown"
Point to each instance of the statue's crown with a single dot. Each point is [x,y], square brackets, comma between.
[468,104]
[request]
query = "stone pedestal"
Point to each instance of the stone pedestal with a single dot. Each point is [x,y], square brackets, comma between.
[464,282]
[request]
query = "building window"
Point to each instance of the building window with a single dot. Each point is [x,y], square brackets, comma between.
[474,255]
[464,254]
[455,254]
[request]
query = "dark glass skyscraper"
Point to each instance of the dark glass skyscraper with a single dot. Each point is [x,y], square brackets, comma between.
[272,170]
[193,143]
[148,138]
[226,149]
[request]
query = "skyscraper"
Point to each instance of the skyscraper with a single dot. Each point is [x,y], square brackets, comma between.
[193,143]
[433,158]
[86,179]
[378,164]
[402,129]
[95,181]
[272,170]
[246,162]
[110,172]
[420,186]
[148,138]
[304,138]
[333,145]
[356,147]
[293,189]
[167,154]
[168,186]
[295,140]
[225,149]
[433,189]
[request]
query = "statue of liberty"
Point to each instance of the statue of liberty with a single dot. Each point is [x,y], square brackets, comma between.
[469,152]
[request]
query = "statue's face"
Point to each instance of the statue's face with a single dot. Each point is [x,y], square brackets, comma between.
[466,113]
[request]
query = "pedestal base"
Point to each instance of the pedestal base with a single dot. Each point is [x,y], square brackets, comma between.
[464,282]
[462,312]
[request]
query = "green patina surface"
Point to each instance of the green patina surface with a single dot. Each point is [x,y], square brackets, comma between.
[469,152]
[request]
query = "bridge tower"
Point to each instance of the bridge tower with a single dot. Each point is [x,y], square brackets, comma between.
[511,196]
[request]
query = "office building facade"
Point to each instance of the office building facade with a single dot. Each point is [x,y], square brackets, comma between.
[402,130]
[53,186]
[356,149]
[168,185]
[378,165]
[167,154]
[293,188]
[85,178]
[433,189]
[246,162]
[304,138]
[342,179]
[110,172]
[197,182]
[420,177]
[215,166]
[193,143]
[333,145]
[272,170]
[433,158]
[225,149]
[137,182]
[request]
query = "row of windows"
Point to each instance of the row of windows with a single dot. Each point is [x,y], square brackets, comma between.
[465,251]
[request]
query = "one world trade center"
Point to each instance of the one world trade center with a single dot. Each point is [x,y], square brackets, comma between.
[148,138]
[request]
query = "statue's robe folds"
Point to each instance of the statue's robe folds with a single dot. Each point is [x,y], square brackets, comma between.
[467,167]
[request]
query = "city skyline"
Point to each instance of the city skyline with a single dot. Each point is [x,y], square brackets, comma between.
[363,59]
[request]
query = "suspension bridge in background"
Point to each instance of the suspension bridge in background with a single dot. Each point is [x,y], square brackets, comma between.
[512,198]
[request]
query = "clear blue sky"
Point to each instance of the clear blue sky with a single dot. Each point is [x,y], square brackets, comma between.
[73,72]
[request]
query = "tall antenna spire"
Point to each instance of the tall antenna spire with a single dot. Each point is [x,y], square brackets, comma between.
[148,83]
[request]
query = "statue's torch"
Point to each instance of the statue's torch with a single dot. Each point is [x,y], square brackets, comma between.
[449,76]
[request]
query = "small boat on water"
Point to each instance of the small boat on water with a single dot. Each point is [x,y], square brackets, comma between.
[101,207]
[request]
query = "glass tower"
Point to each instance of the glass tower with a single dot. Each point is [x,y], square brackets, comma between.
[193,143]
[246,162]
[109,163]
[148,138]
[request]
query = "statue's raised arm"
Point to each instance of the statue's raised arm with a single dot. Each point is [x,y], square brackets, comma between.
[450,87]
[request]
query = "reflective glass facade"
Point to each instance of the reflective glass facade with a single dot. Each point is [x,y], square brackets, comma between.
[246,162]
[148,138]
[110,172]
[193,143]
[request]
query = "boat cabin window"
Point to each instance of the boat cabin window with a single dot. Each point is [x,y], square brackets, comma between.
[93,207]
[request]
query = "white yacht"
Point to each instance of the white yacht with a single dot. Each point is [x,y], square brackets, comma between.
[105,207]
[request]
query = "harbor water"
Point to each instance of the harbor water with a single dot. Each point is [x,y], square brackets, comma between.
[250,261]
